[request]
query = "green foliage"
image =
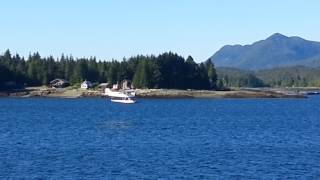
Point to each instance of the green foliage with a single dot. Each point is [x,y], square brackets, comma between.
[212,75]
[297,76]
[147,74]
[167,70]
[231,77]
[141,77]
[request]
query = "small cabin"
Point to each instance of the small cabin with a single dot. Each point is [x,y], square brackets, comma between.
[86,85]
[59,83]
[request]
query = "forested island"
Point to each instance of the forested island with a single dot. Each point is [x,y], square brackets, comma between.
[168,70]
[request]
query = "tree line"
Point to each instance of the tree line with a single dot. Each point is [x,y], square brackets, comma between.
[167,70]
[232,77]
[296,76]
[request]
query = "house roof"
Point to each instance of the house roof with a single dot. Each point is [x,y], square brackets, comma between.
[58,80]
[103,84]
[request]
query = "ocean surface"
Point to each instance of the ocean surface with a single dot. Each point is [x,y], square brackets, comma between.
[43,138]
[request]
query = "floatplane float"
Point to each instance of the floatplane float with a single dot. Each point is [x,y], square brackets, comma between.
[123,96]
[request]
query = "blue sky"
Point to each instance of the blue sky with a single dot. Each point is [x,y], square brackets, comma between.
[121,28]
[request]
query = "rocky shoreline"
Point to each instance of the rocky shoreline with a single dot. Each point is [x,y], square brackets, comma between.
[164,93]
[156,93]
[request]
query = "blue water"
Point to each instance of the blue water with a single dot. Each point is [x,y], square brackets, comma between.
[160,139]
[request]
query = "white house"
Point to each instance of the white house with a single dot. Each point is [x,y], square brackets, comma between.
[86,85]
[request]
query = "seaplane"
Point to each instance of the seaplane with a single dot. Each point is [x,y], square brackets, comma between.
[122,96]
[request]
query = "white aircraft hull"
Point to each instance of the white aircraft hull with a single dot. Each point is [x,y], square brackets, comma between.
[124,101]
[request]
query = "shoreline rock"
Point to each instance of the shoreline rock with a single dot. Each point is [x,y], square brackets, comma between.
[170,93]
[156,93]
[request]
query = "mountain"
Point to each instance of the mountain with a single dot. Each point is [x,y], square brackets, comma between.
[276,51]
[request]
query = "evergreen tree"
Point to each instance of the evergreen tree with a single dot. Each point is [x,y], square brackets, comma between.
[212,75]
[141,77]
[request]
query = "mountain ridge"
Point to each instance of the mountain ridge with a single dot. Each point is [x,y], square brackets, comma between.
[277,50]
